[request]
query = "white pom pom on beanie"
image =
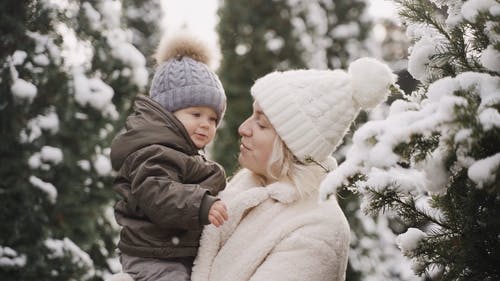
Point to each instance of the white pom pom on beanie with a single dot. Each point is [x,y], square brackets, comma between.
[370,80]
[311,110]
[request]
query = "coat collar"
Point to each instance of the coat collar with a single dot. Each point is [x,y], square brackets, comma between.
[244,193]
[150,124]
[283,192]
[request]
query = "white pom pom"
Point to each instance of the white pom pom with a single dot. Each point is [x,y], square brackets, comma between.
[370,81]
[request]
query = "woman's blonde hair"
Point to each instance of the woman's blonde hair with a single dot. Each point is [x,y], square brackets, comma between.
[284,166]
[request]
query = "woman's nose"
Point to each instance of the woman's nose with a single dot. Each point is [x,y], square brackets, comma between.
[244,129]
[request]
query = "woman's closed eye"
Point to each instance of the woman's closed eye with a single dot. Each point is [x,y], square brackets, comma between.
[262,122]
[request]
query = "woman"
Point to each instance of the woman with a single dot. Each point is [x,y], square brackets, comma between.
[277,228]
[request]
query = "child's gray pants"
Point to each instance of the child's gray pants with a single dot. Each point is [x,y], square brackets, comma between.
[150,269]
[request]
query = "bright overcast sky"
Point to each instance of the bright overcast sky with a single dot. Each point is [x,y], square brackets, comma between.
[199,16]
[382,9]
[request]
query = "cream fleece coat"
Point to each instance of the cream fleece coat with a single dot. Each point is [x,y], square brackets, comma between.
[273,234]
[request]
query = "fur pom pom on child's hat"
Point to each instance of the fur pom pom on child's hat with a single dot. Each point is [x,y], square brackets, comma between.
[183,45]
[183,77]
[312,110]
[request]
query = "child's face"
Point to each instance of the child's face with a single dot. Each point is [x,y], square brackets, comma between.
[200,123]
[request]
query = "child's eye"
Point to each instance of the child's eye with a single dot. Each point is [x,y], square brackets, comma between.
[213,119]
[196,114]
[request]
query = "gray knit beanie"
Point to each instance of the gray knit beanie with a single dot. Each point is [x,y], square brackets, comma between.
[183,78]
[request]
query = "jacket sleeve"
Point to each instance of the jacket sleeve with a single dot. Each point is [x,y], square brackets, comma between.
[303,255]
[216,180]
[206,204]
[158,191]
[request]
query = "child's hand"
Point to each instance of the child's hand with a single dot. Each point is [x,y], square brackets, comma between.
[218,213]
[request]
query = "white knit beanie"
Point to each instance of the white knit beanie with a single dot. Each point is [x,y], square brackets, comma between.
[312,110]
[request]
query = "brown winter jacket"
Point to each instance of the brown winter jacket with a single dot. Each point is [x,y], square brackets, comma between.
[166,186]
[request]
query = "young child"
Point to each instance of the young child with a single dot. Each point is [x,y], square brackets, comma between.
[167,187]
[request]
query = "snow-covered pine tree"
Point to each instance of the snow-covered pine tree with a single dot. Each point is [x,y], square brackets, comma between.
[142,18]
[331,33]
[434,162]
[67,71]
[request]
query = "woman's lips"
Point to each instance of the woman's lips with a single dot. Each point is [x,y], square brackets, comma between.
[243,146]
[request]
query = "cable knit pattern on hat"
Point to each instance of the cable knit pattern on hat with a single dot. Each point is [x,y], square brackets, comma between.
[183,78]
[312,110]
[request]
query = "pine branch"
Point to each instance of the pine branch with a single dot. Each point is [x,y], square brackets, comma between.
[421,12]
[390,199]
[424,12]
[418,148]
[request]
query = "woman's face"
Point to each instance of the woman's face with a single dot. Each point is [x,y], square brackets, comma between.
[257,139]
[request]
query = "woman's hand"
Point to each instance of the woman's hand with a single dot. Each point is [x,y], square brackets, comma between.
[218,213]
